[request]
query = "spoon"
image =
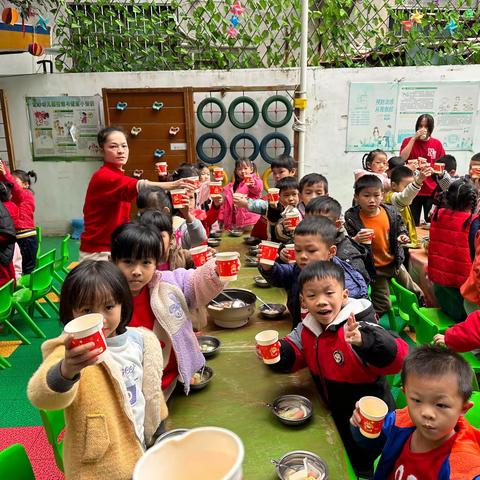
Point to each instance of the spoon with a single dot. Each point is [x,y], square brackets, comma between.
[270,309]
[217,305]
[236,302]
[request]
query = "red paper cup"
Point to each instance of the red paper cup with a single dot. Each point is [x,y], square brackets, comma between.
[228,265]
[218,174]
[422,162]
[161,168]
[371,233]
[290,249]
[195,181]
[86,329]
[268,252]
[268,346]
[178,198]
[291,221]
[216,189]
[199,255]
[273,195]
[439,167]
[372,412]
[248,178]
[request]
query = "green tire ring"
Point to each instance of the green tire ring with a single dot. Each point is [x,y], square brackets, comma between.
[255,110]
[203,156]
[250,138]
[274,136]
[266,115]
[221,106]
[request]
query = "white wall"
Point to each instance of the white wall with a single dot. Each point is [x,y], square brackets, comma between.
[61,187]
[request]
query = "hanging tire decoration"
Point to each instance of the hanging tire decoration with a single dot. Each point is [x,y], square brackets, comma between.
[254,147]
[265,176]
[277,137]
[270,119]
[201,113]
[201,149]
[255,112]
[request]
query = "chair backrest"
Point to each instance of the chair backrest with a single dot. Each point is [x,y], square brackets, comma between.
[65,253]
[15,464]
[54,424]
[45,258]
[41,278]
[6,295]
[473,415]
[425,329]
[405,300]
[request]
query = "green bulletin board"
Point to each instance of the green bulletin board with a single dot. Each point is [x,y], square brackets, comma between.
[64,128]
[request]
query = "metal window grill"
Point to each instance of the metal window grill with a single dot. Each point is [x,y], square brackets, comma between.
[192,34]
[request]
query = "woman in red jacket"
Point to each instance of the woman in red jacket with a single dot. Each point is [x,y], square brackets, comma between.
[110,194]
[423,145]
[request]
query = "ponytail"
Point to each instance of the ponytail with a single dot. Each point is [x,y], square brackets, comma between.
[368,158]
[25,176]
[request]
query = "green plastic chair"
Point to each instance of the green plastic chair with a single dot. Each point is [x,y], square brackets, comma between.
[425,328]
[60,269]
[4,363]
[408,298]
[15,464]
[54,424]
[38,229]
[39,286]
[10,301]
[473,415]
[41,260]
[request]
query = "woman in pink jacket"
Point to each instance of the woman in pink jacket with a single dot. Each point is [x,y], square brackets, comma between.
[247,183]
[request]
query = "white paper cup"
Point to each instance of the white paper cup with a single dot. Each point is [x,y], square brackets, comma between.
[372,412]
[371,232]
[87,329]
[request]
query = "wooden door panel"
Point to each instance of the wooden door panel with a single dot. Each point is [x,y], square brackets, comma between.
[145,146]
[159,131]
[146,99]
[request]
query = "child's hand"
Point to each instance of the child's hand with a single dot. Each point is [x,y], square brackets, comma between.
[425,172]
[265,266]
[412,164]
[2,167]
[240,201]
[439,339]
[362,237]
[355,419]
[421,132]
[353,335]
[183,183]
[283,255]
[210,253]
[403,239]
[77,358]
[218,201]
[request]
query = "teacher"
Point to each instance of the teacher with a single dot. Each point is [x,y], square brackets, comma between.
[110,194]
[422,144]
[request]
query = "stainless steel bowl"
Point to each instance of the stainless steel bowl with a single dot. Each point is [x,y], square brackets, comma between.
[276,311]
[213,242]
[233,317]
[215,234]
[252,240]
[285,402]
[207,375]
[250,261]
[172,433]
[292,462]
[208,345]
[261,282]
[235,233]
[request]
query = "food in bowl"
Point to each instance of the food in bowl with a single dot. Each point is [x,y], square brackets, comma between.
[261,282]
[292,466]
[213,242]
[208,345]
[293,413]
[292,409]
[272,310]
[201,378]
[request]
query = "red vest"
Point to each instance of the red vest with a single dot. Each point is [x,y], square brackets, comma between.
[449,261]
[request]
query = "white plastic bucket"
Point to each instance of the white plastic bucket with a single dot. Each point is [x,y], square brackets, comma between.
[207,453]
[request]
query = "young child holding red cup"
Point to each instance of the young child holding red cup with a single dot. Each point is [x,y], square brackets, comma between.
[429,439]
[347,353]
[122,388]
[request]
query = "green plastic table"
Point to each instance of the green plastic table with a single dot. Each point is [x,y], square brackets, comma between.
[242,385]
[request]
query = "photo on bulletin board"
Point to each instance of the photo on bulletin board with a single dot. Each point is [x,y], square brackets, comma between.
[453,106]
[65,128]
[371,116]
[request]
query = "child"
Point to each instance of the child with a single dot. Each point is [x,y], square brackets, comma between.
[7,246]
[374,163]
[155,198]
[203,195]
[347,353]
[114,408]
[394,162]
[451,249]
[314,240]
[348,250]
[429,439]
[288,202]
[405,186]
[282,166]
[447,177]
[230,215]
[22,197]
[386,245]
[162,300]
[188,220]
[312,185]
